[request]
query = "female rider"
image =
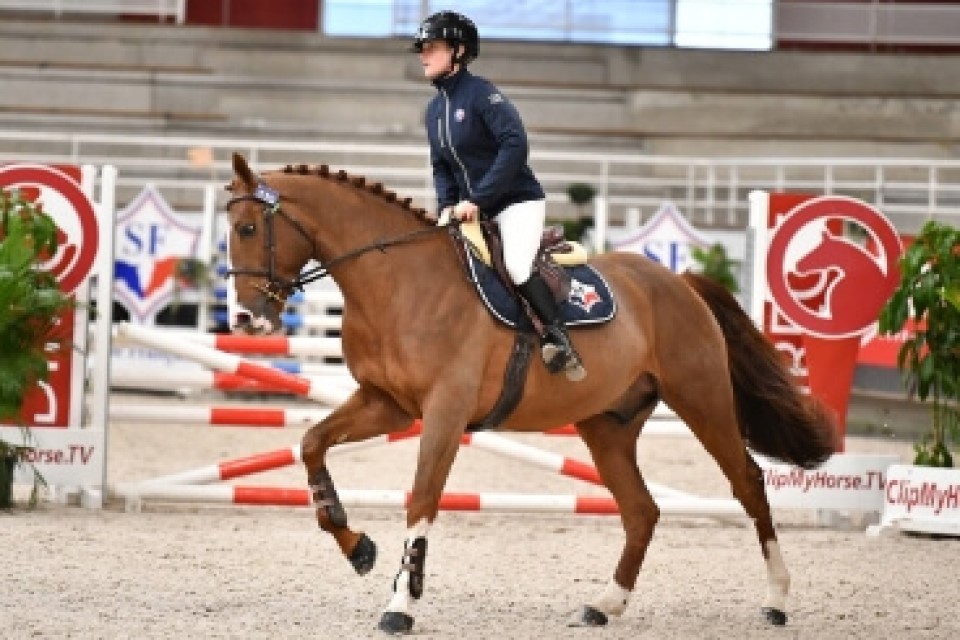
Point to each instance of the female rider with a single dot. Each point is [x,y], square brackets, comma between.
[478,150]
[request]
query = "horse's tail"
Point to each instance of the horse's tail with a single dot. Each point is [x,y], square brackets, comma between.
[775,418]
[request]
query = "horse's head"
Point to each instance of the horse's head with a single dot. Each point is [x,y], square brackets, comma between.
[268,244]
[823,257]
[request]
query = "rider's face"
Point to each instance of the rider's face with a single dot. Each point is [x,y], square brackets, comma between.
[435,58]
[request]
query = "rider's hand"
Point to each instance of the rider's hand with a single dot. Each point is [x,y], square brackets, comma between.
[446,214]
[466,211]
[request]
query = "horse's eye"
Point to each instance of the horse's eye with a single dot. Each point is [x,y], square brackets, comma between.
[246,229]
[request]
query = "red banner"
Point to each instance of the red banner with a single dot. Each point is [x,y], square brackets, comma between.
[826,290]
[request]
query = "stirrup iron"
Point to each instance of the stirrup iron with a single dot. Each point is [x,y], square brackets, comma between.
[559,355]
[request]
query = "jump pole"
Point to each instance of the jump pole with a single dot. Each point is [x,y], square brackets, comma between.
[268,461]
[299,346]
[232,416]
[228,363]
[230,469]
[178,378]
[396,498]
[271,345]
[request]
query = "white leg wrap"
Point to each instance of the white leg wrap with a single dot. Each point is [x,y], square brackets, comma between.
[402,600]
[613,601]
[778,579]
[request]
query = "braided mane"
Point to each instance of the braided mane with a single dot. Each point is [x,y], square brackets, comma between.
[358,182]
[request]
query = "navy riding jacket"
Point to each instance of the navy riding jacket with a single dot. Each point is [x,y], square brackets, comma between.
[478,146]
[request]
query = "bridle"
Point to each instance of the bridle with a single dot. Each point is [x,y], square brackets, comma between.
[278,288]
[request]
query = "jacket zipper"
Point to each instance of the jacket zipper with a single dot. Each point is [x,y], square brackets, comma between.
[453,151]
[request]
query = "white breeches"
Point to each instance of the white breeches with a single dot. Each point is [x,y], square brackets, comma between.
[521,227]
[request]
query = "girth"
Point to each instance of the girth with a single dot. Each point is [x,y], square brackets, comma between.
[514,380]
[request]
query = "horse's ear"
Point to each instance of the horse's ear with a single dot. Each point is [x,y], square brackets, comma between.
[243,171]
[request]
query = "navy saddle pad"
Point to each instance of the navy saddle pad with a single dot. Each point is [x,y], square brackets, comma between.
[590,301]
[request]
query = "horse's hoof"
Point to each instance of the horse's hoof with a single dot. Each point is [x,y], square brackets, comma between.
[774,616]
[395,623]
[590,617]
[364,555]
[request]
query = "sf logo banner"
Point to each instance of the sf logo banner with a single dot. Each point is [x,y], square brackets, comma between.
[151,240]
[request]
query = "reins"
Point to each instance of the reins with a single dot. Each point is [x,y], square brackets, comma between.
[270,199]
[322,271]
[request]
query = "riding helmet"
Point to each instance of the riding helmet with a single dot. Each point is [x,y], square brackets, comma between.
[454,28]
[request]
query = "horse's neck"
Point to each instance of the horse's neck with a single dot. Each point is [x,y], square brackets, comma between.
[382,285]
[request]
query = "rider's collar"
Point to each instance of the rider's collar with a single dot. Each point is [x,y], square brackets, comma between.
[448,81]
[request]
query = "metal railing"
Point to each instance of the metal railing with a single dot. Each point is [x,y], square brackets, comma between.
[160,8]
[710,192]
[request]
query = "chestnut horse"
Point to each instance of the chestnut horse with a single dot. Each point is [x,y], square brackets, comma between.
[420,344]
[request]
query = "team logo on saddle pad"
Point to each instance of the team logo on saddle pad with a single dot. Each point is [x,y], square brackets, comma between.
[583,295]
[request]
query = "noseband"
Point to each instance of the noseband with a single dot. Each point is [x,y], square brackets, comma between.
[278,288]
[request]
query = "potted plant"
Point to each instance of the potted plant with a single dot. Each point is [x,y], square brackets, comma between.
[714,264]
[580,194]
[928,301]
[30,303]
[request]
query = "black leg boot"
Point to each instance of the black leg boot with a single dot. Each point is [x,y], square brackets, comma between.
[557,350]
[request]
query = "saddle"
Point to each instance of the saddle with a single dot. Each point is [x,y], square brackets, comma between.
[555,253]
[584,298]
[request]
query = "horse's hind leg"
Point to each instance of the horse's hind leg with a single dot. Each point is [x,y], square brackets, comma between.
[708,410]
[613,449]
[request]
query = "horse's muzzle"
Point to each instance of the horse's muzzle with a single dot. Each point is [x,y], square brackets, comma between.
[246,322]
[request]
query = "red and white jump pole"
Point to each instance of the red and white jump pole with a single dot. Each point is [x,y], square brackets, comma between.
[234,416]
[139,376]
[270,345]
[258,463]
[229,469]
[229,363]
[396,498]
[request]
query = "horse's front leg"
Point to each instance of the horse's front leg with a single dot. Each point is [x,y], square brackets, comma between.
[439,442]
[367,413]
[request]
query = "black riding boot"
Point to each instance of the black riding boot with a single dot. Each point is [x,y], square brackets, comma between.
[557,349]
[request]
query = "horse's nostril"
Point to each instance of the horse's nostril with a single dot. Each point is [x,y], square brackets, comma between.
[242,319]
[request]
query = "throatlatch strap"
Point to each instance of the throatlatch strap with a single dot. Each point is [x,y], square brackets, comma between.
[325,497]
